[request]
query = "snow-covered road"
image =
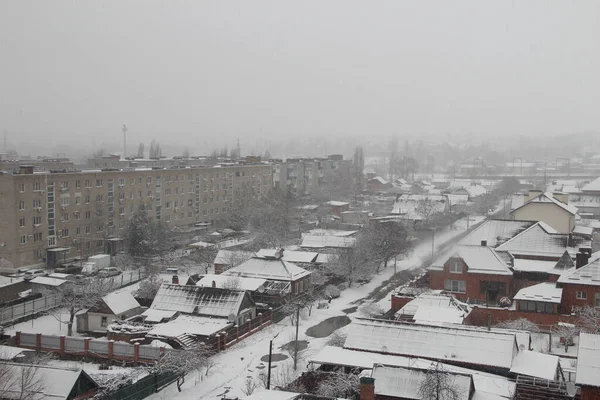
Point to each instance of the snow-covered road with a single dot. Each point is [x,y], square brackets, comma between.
[236,364]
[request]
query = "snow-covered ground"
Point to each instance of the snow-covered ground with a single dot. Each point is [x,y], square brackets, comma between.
[236,364]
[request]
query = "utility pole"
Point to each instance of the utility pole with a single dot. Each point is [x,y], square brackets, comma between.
[432,243]
[269,370]
[296,342]
[124,129]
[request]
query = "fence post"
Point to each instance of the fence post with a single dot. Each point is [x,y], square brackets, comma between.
[136,352]
[224,340]
[249,325]
[38,341]
[62,344]
[218,338]
[18,338]
[121,279]
[111,344]
[86,345]
[237,331]
[260,319]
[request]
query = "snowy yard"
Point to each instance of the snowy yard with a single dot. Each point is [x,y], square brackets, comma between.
[236,364]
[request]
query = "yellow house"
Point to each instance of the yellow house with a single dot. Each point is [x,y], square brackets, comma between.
[552,208]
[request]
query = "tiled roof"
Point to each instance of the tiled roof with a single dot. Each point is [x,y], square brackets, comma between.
[439,343]
[479,260]
[198,300]
[589,274]
[541,241]
[269,269]
[588,361]
[495,232]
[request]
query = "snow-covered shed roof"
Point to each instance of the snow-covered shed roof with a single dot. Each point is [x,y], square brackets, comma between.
[479,260]
[379,179]
[227,256]
[269,269]
[589,274]
[527,265]
[8,353]
[330,232]
[485,383]
[549,198]
[439,343]
[120,302]
[153,315]
[188,299]
[583,230]
[6,281]
[593,186]
[406,383]
[322,241]
[46,281]
[190,325]
[539,239]
[337,203]
[58,383]
[588,360]
[232,282]
[535,364]
[439,315]
[495,232]
[546,292]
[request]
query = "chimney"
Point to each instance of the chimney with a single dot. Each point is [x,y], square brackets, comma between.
[484,243]
[367,388]
[279,253]
[175,280]
[218,269]
[570,241]
[581,259]
[214,284]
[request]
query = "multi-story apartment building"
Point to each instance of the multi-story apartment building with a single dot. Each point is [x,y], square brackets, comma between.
[52,217]
[307,175]
[39,164]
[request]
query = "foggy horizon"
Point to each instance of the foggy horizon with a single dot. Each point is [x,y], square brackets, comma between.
[202,74]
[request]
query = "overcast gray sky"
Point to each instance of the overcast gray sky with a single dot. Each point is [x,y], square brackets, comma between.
[192,69]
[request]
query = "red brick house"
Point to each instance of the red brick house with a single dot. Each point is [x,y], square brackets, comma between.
[338,207]
[581,285]
[474,273]
[377,183]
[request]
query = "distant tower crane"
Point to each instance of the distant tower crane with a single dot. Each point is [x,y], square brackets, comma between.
[124,129]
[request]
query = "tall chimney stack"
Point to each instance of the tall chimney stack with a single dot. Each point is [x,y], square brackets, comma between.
[124,129]
[367,388]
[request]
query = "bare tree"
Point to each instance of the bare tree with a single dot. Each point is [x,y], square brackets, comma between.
[183,362]
[426,209]
[155,150]
[384,241]
[567,332]
[204,257]
[22,381]
[250,386]
[140,150]
[439,384]
[339,384]
[589,319]
[352,265]
[149,287]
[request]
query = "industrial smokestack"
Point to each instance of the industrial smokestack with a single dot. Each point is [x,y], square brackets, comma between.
[124,129]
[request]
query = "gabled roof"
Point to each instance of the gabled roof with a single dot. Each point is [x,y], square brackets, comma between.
[405,383]
[379,180]
[231,282]
[120,302]
[44,280]
[589,274]
[588,360]
[549,198]
[546,292]
[479,260]
[334,203]
[540,240]
[437,343]
[321,241]
[535,364]
[564,263]
[593,186]
[269,269]
[495,232]
[208,301]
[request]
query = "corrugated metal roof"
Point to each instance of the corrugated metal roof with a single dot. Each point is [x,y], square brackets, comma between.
[268,269]
[588,360]
[439,343]
[495,232]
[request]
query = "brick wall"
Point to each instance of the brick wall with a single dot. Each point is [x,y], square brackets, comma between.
[473,282]
[569,296]
[479,317]
[590,393]
[400,301]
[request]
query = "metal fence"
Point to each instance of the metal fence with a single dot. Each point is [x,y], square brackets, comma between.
[142,388]
[14,313]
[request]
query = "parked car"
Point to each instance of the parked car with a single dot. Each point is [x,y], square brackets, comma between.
[68,269]
[34,273]
[107,272]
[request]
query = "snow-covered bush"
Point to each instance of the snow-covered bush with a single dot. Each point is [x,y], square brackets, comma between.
[331,292]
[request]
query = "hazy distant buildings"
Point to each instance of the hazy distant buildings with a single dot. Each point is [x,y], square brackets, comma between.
[303,176]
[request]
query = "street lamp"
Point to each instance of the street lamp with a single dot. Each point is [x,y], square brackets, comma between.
[270,354]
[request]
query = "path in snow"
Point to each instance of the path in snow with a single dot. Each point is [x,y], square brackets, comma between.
[243,360]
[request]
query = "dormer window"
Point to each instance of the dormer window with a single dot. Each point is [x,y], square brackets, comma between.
[456,267]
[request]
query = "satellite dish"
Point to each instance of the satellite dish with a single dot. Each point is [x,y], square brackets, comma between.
[231,317]
[521,347]
[571,389]
[261,289]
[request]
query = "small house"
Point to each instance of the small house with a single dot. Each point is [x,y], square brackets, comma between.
[552,208]
[45,284]
[114,306]
[377,184]
[338,207]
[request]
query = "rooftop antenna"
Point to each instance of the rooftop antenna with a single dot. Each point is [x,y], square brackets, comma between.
[124,129]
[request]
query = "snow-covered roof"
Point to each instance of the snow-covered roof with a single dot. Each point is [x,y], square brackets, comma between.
[153,315]
[479,260]
[232,282]
[8,353]
[439,315]
[439,343]
[487,383]
[209,301]
[337,203]
[269,269]
[6,281]
[581,200]
[541,240]
[322,258]
[201,245]
[473,190]
[583,230]
[406,383]
[191,325]
[329,232]
[58,383]
[120,302]
[589,274]
[546,292]
[593,186]
[58,275]
[44,280]
[495,232]
[272,395]
[379,179]
[549,198]
[322,241]
[292,256]
[588,360]
[407,205]
[227,256]
[534,364]
[526,265]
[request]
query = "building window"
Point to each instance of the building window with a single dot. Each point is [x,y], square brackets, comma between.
[536,306]
[104,322]
[77,184]
[64,201]
[21,187]
[78,230]
[37,237]
[21,205]
[167,218]
[87,199]
[121,181]
[88,229]
[37,220]
[455,286]
[456,267]
[98,182]
[21,222]
[77,215]
[65,232]
[23,239]
[88,214]
[581,295]
[77,200]
[36,186]
[37,254]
